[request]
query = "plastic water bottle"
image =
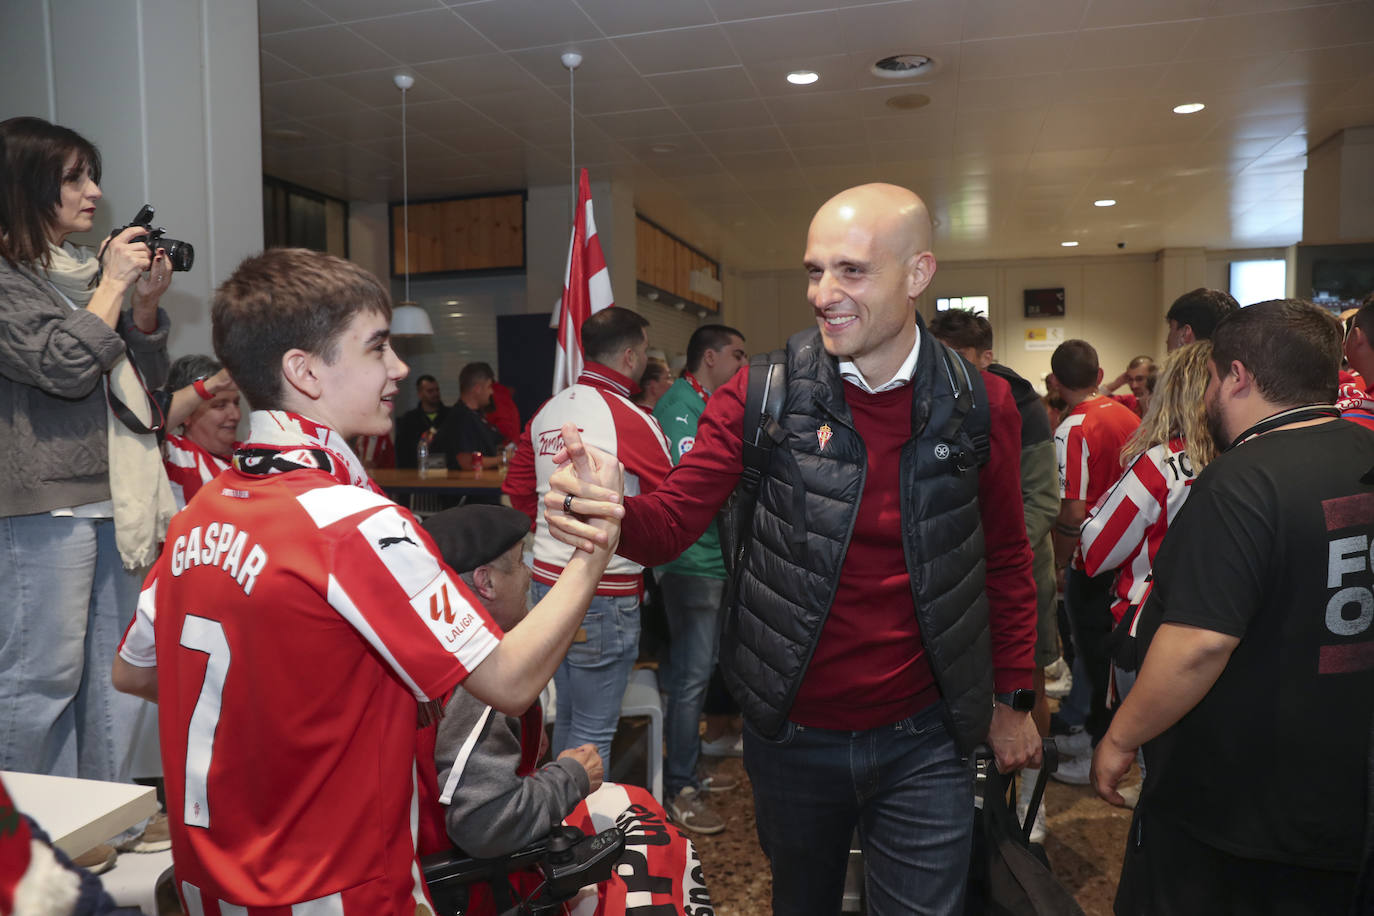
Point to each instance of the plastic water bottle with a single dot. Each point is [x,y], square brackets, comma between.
[422,456]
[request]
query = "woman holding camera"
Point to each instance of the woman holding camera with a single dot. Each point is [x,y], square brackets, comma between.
[68,593]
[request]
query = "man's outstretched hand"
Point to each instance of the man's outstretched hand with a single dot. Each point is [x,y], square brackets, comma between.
[596,483]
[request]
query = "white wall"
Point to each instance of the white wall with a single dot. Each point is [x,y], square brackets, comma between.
[168,91]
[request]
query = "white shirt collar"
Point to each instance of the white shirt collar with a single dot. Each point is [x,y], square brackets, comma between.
[851,374]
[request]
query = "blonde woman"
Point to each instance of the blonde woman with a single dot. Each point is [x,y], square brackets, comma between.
[1162,458]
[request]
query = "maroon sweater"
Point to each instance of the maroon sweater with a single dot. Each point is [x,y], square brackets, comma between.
[869,668]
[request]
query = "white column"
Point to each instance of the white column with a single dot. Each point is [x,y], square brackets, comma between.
[168,91]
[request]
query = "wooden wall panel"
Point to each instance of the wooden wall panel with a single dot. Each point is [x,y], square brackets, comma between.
[665,263]
[474,233]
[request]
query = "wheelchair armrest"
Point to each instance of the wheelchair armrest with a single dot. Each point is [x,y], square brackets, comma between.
[567,857]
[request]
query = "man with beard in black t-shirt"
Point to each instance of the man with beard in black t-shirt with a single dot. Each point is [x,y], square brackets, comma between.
[1256,694]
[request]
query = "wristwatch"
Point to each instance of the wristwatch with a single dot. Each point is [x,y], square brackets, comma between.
[1021,700]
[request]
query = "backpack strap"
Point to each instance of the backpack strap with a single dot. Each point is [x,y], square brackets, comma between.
[961,384]
[761,433]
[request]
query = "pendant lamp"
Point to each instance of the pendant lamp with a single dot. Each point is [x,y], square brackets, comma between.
[408,319]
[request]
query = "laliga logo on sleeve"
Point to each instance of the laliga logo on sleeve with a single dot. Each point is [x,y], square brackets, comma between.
[824,434]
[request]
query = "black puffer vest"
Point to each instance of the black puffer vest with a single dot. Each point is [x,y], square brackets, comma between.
[804,519]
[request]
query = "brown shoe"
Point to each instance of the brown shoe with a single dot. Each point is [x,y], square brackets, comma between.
[97,861]
[155,837]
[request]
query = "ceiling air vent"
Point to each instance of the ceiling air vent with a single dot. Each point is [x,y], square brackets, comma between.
[903,66]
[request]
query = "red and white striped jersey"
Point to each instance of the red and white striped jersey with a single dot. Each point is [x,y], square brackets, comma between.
[1125,528]
[295,620]
[1089,441]
[189,467]
[600,405]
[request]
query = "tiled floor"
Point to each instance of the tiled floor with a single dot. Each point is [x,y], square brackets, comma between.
[1087,837]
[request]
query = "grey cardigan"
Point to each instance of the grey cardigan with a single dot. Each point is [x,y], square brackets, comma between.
[54,443]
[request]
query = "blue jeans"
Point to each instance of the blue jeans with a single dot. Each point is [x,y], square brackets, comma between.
[67,601]
[905,786]
[692,605]
[590,681]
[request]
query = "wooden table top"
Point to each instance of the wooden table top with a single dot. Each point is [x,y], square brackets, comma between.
[410,481]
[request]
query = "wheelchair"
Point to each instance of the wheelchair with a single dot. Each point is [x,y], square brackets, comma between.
[566,860]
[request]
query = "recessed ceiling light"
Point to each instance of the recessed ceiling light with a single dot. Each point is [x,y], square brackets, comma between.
[286,133]
[1189,108]
[803,77]
[664,147]
[455,314]
[450,302]
[1104,202]
[1069,244]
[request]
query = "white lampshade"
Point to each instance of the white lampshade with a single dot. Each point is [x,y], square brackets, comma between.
[409,320]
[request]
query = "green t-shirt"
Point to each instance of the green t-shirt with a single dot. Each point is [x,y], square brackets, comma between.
[678,412]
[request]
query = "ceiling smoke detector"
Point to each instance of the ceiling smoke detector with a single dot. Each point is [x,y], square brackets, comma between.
[903,66]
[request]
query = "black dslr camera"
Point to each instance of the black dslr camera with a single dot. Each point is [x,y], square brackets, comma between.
[179,254]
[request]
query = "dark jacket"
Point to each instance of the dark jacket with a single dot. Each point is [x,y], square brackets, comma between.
[409,427]
[804,519]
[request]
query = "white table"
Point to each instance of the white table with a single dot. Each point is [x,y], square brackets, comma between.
[80,814]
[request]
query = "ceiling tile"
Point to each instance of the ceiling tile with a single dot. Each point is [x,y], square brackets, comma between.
[727,10]
[512,24]
[442,116]
[1197,79]
[841,132]
[1152,45]
[303,98]
[419,37]
[521,107]
[684,146]
[376,89]
[1100,85]
[901,28]
[747,140]
[680,167]
[679,49]
[800,35]
[1264,33]
[1023,56]
[346,10]
[280,15]
[475,76]
[601,60]
[811,106]
[358,124]
[687,87]
[654,122]
[1009,92]
[1326,64]
[418,149]
[725,115]
[616,17]
[1002,18]
[480,139]
[1131,12]
[606,96]
[822,156]
[326,51]
[272,69]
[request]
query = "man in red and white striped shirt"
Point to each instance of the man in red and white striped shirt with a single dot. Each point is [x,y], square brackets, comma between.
[1088,442]
[591,681]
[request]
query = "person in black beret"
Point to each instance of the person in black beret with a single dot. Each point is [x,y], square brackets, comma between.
[497,801]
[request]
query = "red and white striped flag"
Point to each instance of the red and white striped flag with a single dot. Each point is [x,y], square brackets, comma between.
[586,289]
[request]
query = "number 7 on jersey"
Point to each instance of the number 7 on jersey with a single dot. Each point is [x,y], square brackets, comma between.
[203,635]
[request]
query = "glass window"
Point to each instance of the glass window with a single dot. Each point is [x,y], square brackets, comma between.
[978,305]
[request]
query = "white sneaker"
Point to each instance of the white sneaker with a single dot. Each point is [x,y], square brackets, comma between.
[724,746]
[1073,770]
[1024,790]
[1077,743]
[1058,679]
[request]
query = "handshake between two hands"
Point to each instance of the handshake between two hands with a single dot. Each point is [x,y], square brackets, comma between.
[585,502]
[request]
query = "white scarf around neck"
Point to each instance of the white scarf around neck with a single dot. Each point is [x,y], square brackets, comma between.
[139,489]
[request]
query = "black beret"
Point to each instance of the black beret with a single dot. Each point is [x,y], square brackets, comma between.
[470,536]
